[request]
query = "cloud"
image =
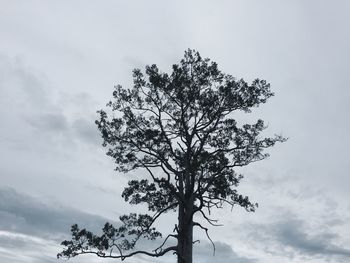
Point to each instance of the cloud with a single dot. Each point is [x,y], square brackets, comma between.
[31,230]
[86,131]
[293,233]
[27,223]
[292,237]
[50,122]
[21,86]
[203,253]
[24,214]
[31,107]
[22,248]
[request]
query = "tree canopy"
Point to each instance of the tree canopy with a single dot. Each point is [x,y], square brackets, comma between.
[180,129]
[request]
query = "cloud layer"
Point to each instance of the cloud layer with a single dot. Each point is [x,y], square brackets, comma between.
[58,65]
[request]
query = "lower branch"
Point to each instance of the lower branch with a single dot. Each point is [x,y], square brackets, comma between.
[121,256]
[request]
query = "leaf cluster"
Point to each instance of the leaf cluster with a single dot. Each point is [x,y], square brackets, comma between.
[180,129]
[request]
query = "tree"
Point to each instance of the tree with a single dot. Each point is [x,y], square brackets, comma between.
[180,130]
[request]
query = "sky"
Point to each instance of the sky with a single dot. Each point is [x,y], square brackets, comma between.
[59,62]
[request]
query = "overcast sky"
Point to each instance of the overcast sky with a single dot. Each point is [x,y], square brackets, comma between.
[59,61]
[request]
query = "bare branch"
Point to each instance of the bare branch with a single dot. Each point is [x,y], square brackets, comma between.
[206,232]
[165,240]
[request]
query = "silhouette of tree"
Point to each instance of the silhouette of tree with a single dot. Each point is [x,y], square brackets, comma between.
[180,129]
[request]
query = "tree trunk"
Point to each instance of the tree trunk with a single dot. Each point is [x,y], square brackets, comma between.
[185,234]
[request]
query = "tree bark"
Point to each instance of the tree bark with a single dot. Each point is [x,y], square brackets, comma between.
[185,233]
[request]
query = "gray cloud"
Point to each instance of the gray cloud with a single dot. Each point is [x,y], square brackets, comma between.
[28,101]
[31,230]
[49,122]
[25,214]
[86,131]
[203,253]
[294,234]
[20,86]
[30,223]
[293,237]
[21,248]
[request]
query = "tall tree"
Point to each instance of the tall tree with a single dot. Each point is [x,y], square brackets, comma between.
[180,129]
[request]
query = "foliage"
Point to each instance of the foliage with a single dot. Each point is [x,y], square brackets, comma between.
[180,129]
